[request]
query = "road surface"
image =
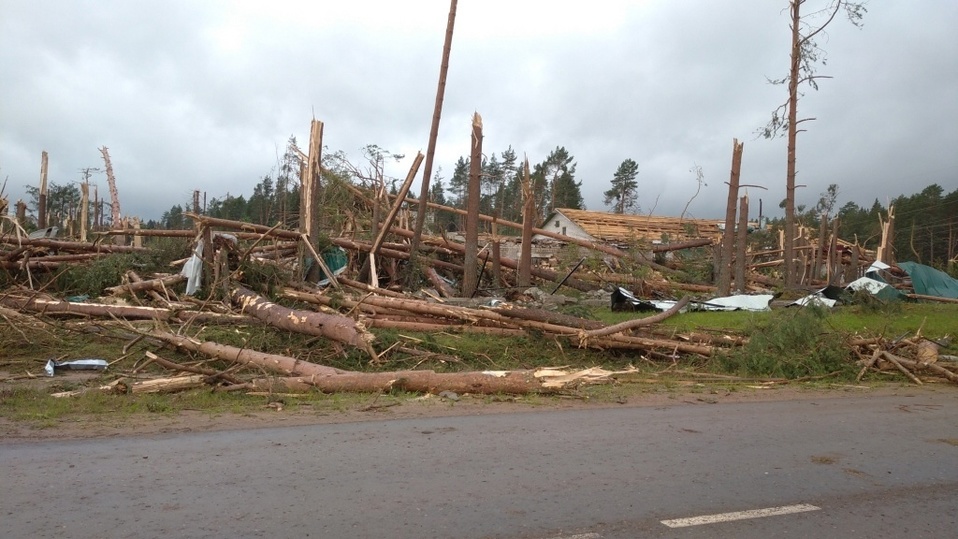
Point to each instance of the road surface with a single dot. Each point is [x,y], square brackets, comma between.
[862,466]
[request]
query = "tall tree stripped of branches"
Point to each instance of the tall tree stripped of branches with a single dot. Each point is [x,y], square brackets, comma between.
[805,55]
[431,148]
[624,190]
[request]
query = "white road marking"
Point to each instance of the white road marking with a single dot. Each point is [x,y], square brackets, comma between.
[579,536]
[740,515]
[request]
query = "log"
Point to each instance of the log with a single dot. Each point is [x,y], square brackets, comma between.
[585,336]
[937,369]
[158,285]
[157,385]
[74,246]
[209,373]
[58,307]
[868,364]
[331,326]
[486,383]
[897,362]
[299,374]
[679,245]
[444,289]
[271,362]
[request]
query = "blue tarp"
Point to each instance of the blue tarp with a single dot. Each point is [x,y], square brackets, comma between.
[928,281]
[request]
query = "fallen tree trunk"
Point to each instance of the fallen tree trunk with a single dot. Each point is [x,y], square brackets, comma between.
[157,385]
[301,374]
[272,362]
[332,326]
[635,323]
[57,307]
[474,316]
[486,383]
[74,246]
[158,285]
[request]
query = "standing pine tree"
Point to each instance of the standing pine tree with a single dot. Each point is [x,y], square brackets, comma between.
[554,183]
[624,192]
[458,183]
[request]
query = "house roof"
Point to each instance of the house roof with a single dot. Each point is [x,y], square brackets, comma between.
[623,227]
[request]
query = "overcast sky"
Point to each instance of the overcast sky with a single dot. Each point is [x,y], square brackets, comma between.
[204,94]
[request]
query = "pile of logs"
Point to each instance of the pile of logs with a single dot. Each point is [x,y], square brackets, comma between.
[916,358]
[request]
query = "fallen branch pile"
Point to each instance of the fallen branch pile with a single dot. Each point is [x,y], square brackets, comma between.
[915,358]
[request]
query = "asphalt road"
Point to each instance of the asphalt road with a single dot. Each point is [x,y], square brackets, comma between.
[844,467]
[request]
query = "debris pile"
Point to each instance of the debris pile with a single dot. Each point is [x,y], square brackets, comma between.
[915,357]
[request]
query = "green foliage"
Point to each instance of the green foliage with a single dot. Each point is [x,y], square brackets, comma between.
[623,195]
[790,344]
[91,278]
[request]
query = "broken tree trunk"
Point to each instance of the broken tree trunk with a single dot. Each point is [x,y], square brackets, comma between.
[310,194]
[740,244]
[400,198]
[157,285]
[485,382]
[332,326]
[303,373]
[57,307]
[528,216]
[585,336]
[42,196]
[433,136]
[723,282]
[470,278]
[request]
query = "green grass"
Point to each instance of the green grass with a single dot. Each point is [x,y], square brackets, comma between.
[935,320]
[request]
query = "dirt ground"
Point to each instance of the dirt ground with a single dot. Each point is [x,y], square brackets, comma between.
[105,425]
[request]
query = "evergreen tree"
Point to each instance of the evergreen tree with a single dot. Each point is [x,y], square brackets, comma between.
[554,183]
[459,182]
[623,194]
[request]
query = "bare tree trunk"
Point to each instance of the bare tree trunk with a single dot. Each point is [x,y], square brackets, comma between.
[528,215]
[885,248]
[820,248]
[332,326]
[400,198]
[723,283]
[42,198]
[741,241]
[84,209]
[304,374]
[470,279]
[433,135]
[310,196]
[793,80]
[56,307]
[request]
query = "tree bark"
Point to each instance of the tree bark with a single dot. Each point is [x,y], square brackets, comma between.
[723,283]
[741,249]
[793,80]
[400,198]
[334,327]
[311,195]
[470,279]
[528,216]
[57,307]
[433,136]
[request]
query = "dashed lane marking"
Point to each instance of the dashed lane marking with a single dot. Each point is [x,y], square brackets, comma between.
[739,515]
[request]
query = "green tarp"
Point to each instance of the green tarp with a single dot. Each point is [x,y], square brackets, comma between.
[928,281]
